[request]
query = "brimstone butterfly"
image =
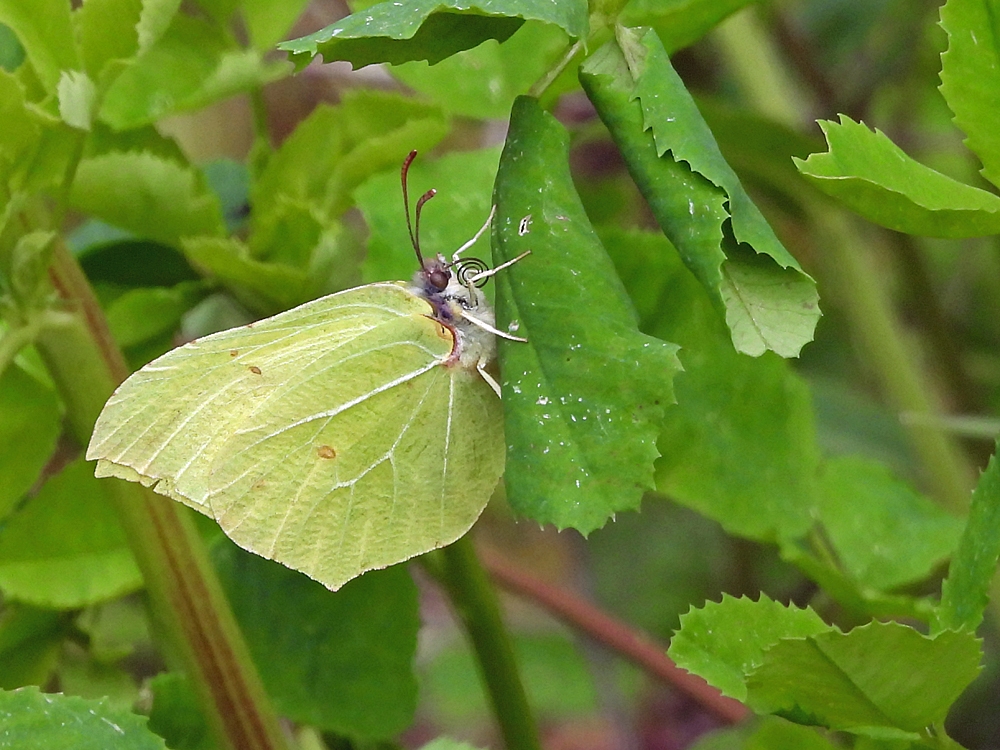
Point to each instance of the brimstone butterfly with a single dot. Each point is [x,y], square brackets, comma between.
[347,434]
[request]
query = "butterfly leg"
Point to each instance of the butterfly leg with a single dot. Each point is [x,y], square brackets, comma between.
[470,243]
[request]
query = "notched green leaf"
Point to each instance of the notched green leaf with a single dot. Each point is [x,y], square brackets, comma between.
[883,680]
[965,592]
[335,149]
[483,82]
[153,197]
[60,722]
[192,64]
[970,77]
[262,286]
[872,176]
[769,302]
[397,32]
[77,97]
[725,641]
[584,397]
[108,32]
[44,29]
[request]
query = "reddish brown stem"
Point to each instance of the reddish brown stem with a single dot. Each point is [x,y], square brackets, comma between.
[612,633]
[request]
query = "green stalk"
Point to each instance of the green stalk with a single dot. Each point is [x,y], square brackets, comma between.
[571,52]
[186,599]
[475,601]
[757,68]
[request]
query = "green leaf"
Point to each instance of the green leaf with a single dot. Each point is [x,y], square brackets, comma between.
[267,21]
[77,97]
[873,177]
[140,315]
[697,199]
[35,147]
[359,647]
[44,29]
[21,126]
[883,533]
[965,592]
[679,23]
[335,149]
[261,286]
[191,65]
[107,30]
[31,643]
[482,82]
[727,405]
[11,51]
[65,548]
[29,427]
[153,197]
[726,642]
[970,76]
[298,237]
[157,15]
[109,638]
[758,411]
[32,719]
[767,733]
[464,184]
[684,558]
[431,30]
[583,398]
[882,680]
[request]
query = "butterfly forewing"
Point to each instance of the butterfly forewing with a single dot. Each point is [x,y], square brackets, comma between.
[167,421]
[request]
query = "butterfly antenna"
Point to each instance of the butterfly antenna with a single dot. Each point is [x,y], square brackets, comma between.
[414,227]
[416,224]
[406,202]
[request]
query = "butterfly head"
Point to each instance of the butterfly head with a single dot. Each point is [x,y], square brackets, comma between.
[450,287]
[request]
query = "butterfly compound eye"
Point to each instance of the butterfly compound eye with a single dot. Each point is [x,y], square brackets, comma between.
[439,278]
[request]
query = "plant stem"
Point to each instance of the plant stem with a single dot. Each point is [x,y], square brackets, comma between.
[752,59]
[476,605]
[538,87]
[186,599]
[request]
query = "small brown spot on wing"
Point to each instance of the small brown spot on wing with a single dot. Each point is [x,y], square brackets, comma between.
[326,451]
[233,353]
[254,369]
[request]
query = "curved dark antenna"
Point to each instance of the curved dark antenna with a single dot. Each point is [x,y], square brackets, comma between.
[414,228]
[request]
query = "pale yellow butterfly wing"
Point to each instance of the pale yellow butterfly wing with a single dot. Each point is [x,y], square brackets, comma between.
[333,438]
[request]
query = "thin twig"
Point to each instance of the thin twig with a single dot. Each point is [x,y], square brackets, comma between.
[612,633]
